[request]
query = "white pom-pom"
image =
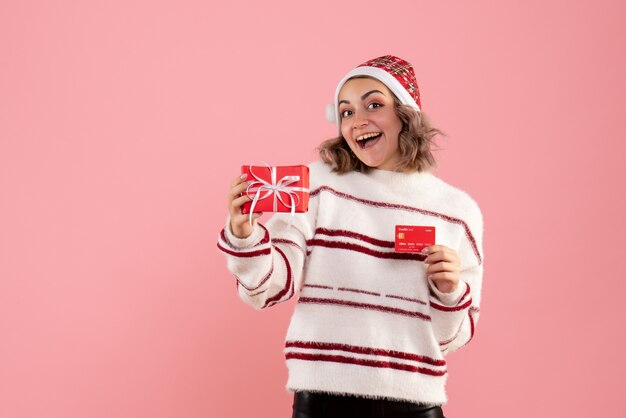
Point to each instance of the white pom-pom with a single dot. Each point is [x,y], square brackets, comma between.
[330,113]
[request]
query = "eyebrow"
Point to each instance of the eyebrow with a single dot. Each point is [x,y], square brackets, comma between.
[362,97]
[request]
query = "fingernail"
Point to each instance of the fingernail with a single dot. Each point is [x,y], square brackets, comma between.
[244,175]
[425,250]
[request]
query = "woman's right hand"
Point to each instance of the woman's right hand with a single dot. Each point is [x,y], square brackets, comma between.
[239,222]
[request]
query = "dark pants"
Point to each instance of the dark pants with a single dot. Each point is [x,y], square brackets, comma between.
[320,405]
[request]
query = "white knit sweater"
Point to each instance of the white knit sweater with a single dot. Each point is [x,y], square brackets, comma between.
[367,322]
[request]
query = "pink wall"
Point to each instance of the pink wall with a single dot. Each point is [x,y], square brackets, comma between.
[122,123]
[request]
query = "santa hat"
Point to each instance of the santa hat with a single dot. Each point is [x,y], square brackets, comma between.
[395,73]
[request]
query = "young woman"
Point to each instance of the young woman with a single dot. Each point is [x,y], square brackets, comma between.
[372,326]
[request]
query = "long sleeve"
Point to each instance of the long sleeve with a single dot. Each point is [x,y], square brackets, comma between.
[454,315]
[268,265]
[366,322]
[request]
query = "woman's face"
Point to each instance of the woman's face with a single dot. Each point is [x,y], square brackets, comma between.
[369,122]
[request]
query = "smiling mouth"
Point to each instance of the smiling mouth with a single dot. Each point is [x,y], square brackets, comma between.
[368,140]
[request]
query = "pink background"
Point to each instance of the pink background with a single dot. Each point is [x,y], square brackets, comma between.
[122,124]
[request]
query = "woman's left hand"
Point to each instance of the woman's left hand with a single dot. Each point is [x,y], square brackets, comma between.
[443,267]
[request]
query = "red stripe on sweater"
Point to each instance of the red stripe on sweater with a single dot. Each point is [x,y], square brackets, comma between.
[467,291]
[266,235]
[355,235]
[456,334]
[289,242]
[363,362]
[244,254]
[258,293]
[365,250]
[451,308]
[365,350]
[264,240]
[472,326]
[408,299]
[368,306]
[288,284]
[263,280]
[286,241]
[374,203]
[318,286]
[367,292]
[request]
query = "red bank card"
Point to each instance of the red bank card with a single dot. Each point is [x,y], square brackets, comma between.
[411,238]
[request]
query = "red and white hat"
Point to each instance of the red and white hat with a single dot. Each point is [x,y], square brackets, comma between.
[395,73]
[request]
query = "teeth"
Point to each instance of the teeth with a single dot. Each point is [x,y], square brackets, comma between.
[368,135]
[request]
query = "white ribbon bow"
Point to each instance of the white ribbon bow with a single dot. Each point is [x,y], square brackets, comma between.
[277,188]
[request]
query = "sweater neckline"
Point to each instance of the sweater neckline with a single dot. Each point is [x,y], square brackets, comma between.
[397,181]
[389,175]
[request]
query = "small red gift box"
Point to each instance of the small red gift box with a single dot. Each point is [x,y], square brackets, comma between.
[277,189]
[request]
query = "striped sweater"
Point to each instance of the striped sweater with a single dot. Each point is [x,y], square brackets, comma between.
[367,320]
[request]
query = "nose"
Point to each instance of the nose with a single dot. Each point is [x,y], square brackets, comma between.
[358,121]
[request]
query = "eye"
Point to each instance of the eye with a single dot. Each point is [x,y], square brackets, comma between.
[374,105]
[345,113]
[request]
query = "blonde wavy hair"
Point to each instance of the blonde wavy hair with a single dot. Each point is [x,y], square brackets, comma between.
[415,142]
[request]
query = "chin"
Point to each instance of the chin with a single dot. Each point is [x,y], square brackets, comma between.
[371,164]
